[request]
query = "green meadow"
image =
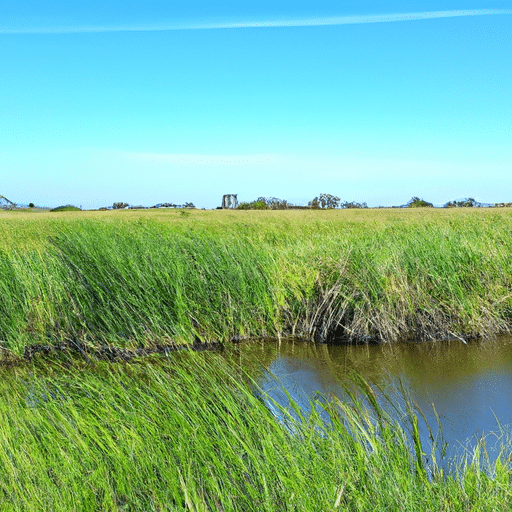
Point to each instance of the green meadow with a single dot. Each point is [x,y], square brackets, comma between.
[192,431]
[139,278]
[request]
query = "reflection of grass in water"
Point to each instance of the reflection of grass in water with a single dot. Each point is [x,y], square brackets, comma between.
[188,434]
[133,277]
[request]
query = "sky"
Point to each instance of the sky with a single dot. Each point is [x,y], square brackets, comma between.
[151,102]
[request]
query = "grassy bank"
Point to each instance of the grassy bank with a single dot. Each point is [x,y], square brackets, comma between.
[136,278]
[189,434]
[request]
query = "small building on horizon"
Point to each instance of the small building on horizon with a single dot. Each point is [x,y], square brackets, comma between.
[229,201]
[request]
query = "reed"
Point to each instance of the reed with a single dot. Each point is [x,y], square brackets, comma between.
[189,433]
[139,278]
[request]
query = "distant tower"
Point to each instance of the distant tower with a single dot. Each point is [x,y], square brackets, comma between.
[229,201]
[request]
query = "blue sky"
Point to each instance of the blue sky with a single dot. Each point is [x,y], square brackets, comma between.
[145,102]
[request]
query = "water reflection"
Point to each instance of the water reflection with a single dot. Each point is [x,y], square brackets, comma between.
[470,385]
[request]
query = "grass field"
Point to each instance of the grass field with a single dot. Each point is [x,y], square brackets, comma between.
[136,278]
[192,431]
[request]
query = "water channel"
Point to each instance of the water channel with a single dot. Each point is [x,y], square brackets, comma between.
[469,384]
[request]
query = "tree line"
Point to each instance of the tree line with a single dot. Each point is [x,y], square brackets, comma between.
[331,202]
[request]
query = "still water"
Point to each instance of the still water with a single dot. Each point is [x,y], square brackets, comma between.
[470,385]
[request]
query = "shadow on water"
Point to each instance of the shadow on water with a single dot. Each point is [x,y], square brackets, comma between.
[467,387]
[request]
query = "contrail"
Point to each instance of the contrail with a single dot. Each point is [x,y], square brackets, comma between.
[307,22]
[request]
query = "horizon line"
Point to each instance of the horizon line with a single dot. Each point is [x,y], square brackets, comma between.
[276,23]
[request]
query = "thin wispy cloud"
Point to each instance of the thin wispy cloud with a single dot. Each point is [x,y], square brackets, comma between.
[277,23]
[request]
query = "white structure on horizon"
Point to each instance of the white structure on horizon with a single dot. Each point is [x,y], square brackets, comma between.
[229,201]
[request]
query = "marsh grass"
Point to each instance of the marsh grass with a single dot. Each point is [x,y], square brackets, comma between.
[188,433]
[134,278]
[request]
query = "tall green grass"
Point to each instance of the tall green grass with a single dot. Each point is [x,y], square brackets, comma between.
[190,434]
[139,279]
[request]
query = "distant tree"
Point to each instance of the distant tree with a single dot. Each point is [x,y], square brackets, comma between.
[31,205]
[324,201]
[188,205]
[66,208]
[254,205]
[416,202]
[119,206]
[329,201]
[314,203]
[468,202]
[274,203]
[265,203]
[165,205]
[353,204]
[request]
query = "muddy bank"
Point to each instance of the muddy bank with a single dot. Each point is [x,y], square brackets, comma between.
[107,353]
